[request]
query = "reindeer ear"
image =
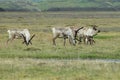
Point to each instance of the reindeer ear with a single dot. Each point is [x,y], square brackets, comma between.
[94,28]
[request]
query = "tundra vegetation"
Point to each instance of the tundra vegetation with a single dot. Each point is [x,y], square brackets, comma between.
[43,61]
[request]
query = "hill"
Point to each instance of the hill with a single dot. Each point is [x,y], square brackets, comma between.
[59,5]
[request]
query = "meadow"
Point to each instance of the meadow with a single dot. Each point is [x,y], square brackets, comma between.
[43,61]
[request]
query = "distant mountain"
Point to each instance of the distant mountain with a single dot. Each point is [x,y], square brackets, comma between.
[59,5]
[18,5]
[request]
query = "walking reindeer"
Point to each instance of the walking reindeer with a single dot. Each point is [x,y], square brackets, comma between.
[18,34]
[64,32]
[87,34]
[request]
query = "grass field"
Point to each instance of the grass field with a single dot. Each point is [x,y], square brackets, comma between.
[37,69]
[34,62]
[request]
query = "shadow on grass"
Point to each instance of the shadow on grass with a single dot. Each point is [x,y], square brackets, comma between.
[32,49]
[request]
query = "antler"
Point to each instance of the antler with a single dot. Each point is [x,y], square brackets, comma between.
[28,41]
[31,39]
[24,40]
[76,31]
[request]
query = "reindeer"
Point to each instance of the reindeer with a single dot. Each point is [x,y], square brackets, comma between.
[18,34]
[64,32]
[87,34]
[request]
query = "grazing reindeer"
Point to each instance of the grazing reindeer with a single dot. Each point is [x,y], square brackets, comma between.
[87,34]
[18,34]
[65,33]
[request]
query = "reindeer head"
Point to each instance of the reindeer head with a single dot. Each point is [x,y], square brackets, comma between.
[95,30]
[29,41]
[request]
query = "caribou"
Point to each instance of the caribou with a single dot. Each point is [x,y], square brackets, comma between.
[20,34]
[65,33]
[87,34]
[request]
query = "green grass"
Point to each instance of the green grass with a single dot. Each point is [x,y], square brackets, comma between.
[43,61]
[106,46]
[37,69]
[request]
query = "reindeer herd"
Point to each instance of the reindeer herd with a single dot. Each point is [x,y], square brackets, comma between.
[73,34]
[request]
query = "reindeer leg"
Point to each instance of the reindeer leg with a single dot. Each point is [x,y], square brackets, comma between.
[8,41]
[84,40]
[92,41]
[65,37]
[11,38]
[23,42]
[64,41]
[80,40]
[54,43]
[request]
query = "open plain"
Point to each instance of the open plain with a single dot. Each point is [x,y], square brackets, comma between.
[43,61]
